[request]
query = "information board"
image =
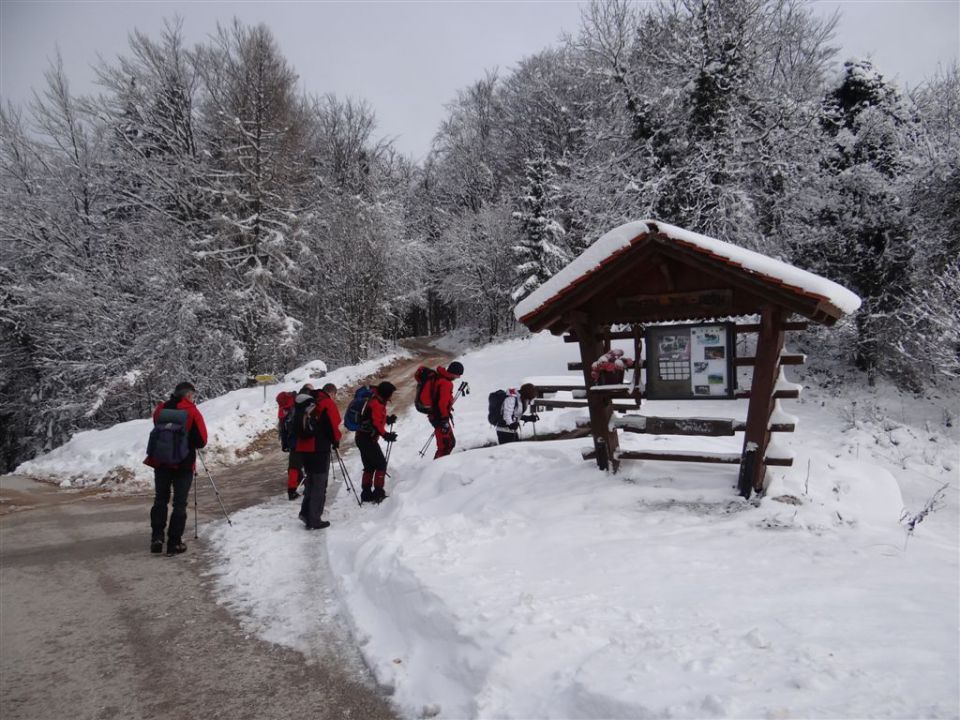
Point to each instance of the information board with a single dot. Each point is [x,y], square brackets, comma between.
[690,361]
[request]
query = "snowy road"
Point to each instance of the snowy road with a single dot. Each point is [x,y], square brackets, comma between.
[96,627]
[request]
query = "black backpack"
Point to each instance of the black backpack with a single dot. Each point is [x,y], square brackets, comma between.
[300,423]
[495,407]
[426,398]
[169,442]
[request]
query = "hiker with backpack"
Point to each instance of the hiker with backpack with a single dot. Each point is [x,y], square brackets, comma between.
[506,409]
[368,415]
[315,429]
[435,399]
[178,432]
[285,407]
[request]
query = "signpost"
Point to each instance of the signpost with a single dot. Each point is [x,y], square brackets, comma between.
[265,380]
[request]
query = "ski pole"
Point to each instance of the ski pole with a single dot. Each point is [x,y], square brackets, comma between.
[215,490]
[346,477]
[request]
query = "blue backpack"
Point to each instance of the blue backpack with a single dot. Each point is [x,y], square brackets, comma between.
[169,443]
[353,418]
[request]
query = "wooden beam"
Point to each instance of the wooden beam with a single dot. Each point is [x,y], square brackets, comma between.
[601,407]
[713,300]
[778,395]
[619,406]
[755,327]
[762,395]
[703,427]
[785,359]
[681,456]
[572,337]
[676,456]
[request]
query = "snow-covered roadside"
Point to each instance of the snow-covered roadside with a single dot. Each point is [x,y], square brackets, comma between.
[519,581]
[115,455]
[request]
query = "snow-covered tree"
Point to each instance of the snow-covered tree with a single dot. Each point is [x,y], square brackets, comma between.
[540,249]
[861,230]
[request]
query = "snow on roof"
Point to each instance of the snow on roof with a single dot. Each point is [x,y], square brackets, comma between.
[621,238]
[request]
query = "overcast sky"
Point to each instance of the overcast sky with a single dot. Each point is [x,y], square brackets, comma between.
[409,58]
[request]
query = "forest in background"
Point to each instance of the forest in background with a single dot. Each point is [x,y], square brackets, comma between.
[198,217]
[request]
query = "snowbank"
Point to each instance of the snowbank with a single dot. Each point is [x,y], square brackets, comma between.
[233,421]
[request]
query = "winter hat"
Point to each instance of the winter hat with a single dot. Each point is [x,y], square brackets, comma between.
[182,389]
[528,391]
[385,389]
[455,368]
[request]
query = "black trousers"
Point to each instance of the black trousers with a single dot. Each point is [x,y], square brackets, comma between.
[370,452]
[316,466]
[505,435]
[165,481]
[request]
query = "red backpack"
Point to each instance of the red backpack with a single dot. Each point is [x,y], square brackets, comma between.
[426,398]
[285,405]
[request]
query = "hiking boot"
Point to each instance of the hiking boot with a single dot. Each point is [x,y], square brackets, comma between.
[366,495]
[156,546]
[292,494]
[323,524]
[175,548]
[379,495]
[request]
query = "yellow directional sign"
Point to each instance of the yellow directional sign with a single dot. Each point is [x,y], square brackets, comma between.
[266,379]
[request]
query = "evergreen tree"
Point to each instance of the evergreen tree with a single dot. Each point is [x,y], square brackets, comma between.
[540,249]
[863,235]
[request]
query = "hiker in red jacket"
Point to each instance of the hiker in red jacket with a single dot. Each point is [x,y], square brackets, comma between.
[316,427]
[373,426]
[441,416]
[285,407]
[178,431]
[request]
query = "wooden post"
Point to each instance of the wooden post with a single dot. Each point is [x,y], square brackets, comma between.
[765,369]
[601,407]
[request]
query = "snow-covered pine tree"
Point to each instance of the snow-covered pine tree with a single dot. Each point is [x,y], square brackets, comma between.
[862,229]
[539,250]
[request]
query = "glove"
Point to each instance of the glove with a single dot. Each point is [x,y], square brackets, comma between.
[335,444]
[391,419]
[514,426]
[444,426]
[390,437]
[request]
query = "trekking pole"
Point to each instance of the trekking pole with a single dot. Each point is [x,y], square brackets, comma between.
[423,450]
[215,490]
[389,448]
[346,477]
[303,479]
[196,522]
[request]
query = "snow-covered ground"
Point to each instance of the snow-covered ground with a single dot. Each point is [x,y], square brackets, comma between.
[519,581]
[114,456]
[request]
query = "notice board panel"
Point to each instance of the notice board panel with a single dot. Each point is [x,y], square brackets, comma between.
[686,362]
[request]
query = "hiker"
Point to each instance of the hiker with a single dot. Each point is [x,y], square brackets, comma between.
[285,403]
[373,426]
[441,415]
[316,429]
[178,431]
[507,408]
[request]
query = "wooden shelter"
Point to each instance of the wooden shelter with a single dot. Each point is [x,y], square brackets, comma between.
[646,273]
